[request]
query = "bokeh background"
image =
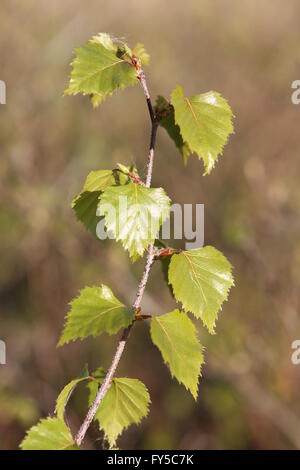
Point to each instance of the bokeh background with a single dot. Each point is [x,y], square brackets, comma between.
[249,51]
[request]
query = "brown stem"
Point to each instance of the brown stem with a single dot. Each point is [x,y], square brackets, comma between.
[151,153]
[142,285]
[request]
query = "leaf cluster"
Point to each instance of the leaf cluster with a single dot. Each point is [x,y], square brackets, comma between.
[200,279]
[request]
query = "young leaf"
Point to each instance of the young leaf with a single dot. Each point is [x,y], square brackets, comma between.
[175,336]
[93,385]
[49,434]
[167,120]
[66,393]
[140,52]
[96,310]
[126,171]
[134,214]
[205,123]
[126,402]
[201,280]
[85,204]
[102,66]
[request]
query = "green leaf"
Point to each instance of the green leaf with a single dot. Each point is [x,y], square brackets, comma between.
[167,120]
[66,393]
[85,204]
[126,170]
[205,123]
[98,180]
[126,402]
[201,280]
[96,310]
[102,66]
[134,214]
[175,336]
[140,52]
[49,434]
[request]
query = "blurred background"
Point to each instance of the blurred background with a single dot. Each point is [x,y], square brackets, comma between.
[250,52]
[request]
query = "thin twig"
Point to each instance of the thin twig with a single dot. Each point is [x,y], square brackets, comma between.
[154,121]
[142,285]
[151,153]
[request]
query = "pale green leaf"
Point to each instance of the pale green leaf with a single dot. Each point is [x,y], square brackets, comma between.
[140,52]
[201,280]
[66,393]
[126,170]
[98,180]
[49,434]
[167,120]
[134,214]
[101,66]
[126,402]
[175,336]
[205,123]
[96,310]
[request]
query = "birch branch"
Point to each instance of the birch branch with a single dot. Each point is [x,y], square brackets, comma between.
[142,285]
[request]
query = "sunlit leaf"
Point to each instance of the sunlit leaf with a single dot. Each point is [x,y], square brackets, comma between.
[49,434]
[175,336]
[126,402]
[102,66]
[134,214]
[96,310]
[201,280]
[205,123]
[140,52]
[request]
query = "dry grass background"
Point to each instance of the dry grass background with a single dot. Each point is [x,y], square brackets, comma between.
[250,52]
